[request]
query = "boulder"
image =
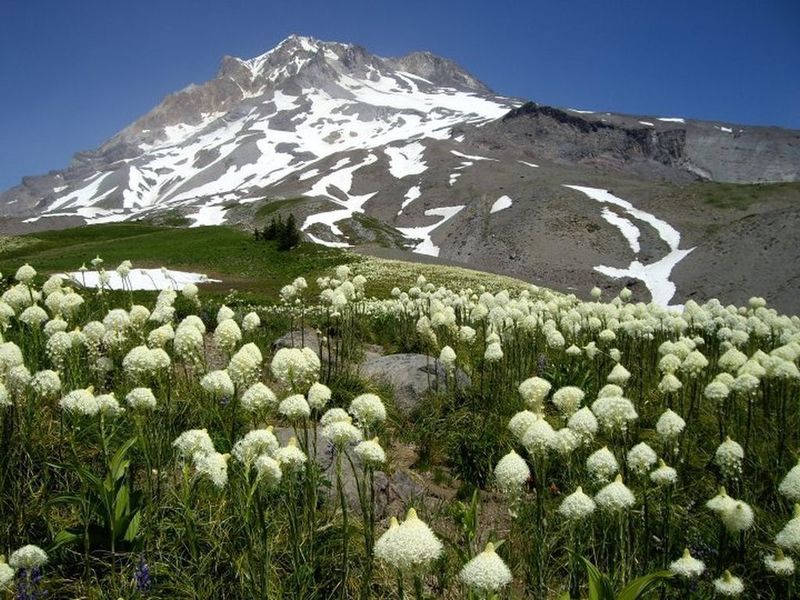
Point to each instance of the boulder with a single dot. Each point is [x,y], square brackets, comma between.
[298,338]
[399,487]
[411,376]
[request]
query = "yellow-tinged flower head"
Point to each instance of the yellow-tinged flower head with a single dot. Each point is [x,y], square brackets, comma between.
[486,572]
[410,547]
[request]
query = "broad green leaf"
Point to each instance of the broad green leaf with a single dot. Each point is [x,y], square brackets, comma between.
[600,587]
[133,527]
[121,502]
[118,464]
[92,481]
[640,586]
[66,499]
[63,538]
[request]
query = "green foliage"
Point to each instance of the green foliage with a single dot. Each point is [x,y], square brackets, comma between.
[449,431]
[111,509]
[602,588]
[741,196]
[273,229]
[285,233]
[473,447]
[288,235]
[466,517]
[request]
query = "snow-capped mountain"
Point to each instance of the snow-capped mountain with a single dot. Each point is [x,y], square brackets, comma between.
[414,153]
[262,120]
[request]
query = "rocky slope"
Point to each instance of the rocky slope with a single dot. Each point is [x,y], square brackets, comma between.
[415,154]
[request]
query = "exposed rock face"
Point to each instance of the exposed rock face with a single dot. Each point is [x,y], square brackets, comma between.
[693,149]
[566,137]
[443,71]
[751,155]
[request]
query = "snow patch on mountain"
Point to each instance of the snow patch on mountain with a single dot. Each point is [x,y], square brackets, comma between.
[412,194]
[82,196]
[208,215]
[327,243]
[284,101]
[628,229]
[338,181]
[174,134]
[655,275]
[471,157]
[406,160]
[425,244]
[308,174]
[502,203]
[342,162]
[92,215]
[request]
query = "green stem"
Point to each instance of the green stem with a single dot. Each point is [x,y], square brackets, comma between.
[188,516]
[345,524]
[264,527]
[623,555]
[418,594]
[294,532]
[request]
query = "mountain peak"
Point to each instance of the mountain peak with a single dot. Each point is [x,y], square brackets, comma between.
[442,71]
[261,120]
[295,52]
[293,43]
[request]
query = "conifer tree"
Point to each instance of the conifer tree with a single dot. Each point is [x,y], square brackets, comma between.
[288,234]
[271,231]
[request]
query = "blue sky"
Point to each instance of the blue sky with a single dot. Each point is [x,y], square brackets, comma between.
[74,73]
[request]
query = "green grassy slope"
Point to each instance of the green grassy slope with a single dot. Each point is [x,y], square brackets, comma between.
[220,252]
[256,269]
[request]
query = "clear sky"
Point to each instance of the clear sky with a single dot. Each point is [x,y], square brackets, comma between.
[73,73]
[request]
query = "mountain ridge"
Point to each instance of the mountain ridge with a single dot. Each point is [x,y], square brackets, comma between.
[426,150]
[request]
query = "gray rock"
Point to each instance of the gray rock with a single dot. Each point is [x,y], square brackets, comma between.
[325,450]
[400,486]
[411,375]
[298,339]
[371,352]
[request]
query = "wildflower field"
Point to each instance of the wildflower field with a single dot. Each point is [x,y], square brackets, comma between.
[160,445]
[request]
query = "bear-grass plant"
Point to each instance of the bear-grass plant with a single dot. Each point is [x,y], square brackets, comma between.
[691,461]
[100,471]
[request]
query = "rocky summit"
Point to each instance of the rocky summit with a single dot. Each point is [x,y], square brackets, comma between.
[415,155]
